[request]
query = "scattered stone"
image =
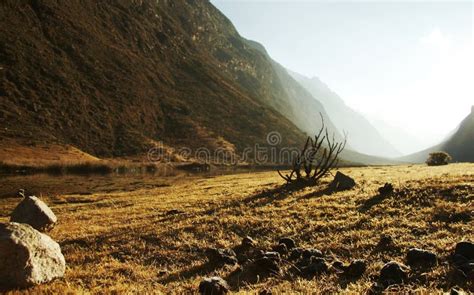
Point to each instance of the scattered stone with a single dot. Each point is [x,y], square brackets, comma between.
[456,292]
[308,253]
[393,273]
[419,257]
[342,182]
[281,249]
[296,253]
[339,266]
[315,267]
[28,257]
[356,269]
[221,256]
[267,266]
[174,212]
[34,212]
[385,242]
[459,260]
[213,286]
[289,243]
[272,255]
[459,276]
[386,189]
[465,249]
[248,242]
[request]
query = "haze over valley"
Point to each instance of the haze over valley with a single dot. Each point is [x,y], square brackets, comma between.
[401,64]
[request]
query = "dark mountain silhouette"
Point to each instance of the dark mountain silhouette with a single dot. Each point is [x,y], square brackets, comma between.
[113,78]
[459,144]
[363,137]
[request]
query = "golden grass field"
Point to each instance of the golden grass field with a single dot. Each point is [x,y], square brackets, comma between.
[118,236]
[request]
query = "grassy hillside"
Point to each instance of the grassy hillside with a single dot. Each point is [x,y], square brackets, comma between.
[140,235]
[112,78]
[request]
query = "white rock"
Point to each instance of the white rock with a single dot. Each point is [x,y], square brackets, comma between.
[28,257]
[34,212]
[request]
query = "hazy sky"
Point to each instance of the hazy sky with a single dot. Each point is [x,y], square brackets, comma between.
[408,63]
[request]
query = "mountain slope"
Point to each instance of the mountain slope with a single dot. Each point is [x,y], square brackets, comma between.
[460,145]
[113,77]
[300,107]
[363,137]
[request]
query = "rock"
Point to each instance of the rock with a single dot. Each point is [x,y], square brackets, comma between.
[459,276]
[272,255]
[246,250]
[393,273]
[308,253]
[338,266]
[467,268]
[385,242]
[342,182]
[34,212]
[456,292]
[356,269]
[315,267]
[386,189]
[296,253]
[281,249]
[289,243]
[221,256]
[248,242]
[465,249]
[174,212]
[28,257]
[459,260]
[213,286]
[419,257]
[267,266]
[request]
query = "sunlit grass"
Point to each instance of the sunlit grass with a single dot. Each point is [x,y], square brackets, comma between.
[127,242]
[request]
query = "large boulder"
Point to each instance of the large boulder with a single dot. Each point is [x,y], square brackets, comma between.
[28,257]
[34,212]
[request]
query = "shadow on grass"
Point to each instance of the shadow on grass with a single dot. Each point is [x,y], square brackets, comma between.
[373,201]
[198,270]
[345,280]
[267,196]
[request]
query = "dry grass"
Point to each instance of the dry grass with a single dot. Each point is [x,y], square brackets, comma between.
[126,241]
[36,154]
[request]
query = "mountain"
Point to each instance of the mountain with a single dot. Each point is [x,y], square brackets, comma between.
[460,144]
[301,107]
[363,136]
[114,77]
